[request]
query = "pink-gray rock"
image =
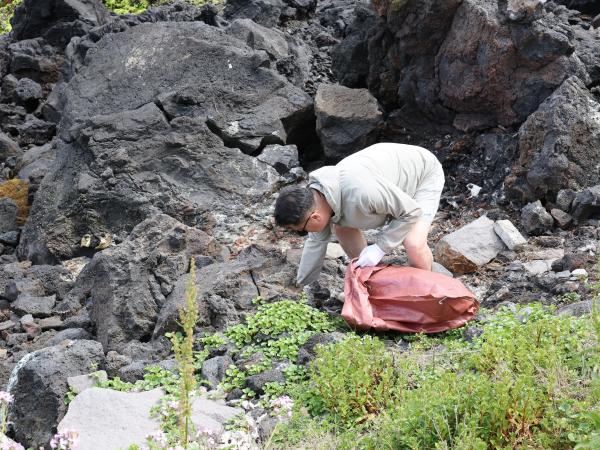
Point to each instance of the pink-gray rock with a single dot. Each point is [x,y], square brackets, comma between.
[470,247]
[562,218]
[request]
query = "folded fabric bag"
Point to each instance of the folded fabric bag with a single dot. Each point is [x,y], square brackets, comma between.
[406,299]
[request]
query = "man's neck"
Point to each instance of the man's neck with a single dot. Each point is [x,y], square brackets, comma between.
[322,204]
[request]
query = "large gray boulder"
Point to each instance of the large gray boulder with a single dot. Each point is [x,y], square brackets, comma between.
[558,145]
[127,284]
[348,119]
[111,420]
[39,384]
[139,135]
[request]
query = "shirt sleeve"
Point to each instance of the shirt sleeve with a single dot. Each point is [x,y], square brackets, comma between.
[313,256]
[386,198]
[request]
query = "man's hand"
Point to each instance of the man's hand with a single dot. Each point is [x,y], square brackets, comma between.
[370,256]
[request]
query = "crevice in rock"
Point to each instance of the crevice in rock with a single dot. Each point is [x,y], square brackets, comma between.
[168,117]
[302,132]
[254,281]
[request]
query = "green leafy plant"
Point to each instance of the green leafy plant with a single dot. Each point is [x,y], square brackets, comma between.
[276,331]
[7,9]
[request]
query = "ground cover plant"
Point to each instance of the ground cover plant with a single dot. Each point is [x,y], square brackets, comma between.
[530,380]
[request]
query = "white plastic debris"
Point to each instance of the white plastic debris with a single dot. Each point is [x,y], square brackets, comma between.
[474,189]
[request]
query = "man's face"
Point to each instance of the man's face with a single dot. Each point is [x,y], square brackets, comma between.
[313,223]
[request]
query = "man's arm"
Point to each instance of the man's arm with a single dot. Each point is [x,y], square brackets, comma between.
[385,198]
[313,256]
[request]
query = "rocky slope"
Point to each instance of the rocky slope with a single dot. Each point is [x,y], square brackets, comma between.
[145,140]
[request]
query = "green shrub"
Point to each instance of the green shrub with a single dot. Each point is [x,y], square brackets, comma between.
[529,381]
[355,379]
[126,6]
[7,9]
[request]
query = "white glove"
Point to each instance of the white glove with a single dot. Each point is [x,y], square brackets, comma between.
[370,256]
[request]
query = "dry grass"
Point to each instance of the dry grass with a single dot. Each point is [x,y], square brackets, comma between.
[18,191]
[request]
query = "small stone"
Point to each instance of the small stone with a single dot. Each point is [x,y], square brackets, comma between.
[10,238]
[31,328]
[36,306]
[16,339]
[587,204]
[545,253]
[564,199]
[335,251]
[566,287]
[51,323]
[515,266]
[538,266]
[576,309]
[71,334]
[524,314]
[7,325]
[27,319]
[511,306]
[498,296]
[281,157]
[8,215]
[28,93]
[562,218]
[535,218]
[509,234]
[579,273]
[20,286]
[565,274]
[80,383]
[469,247]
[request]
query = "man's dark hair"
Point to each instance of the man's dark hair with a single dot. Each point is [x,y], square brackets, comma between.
[293,205]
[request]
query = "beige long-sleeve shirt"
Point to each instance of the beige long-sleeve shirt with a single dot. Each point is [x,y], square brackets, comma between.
[369,189]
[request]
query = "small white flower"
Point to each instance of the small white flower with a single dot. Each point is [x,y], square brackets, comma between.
[6,397]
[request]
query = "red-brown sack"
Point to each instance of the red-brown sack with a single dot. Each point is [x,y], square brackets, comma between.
[405,299]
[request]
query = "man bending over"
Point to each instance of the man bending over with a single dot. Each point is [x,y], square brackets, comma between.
[393,186]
